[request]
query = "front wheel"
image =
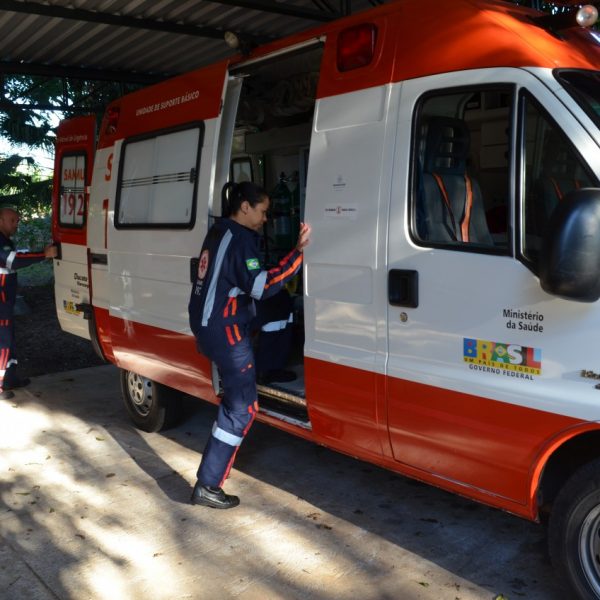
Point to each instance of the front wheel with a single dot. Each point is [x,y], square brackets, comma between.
[574,532]
[151,406]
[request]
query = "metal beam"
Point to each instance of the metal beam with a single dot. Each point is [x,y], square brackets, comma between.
[78,14]
[22,68]
[280,9]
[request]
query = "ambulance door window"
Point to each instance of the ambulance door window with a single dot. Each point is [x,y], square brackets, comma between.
[553,168]
[72,190]
[158,179]
[461,173]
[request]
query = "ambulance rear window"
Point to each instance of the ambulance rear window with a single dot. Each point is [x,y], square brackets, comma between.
[72,190]
[584,86]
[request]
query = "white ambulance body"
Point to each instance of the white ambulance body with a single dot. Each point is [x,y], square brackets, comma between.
[447,320]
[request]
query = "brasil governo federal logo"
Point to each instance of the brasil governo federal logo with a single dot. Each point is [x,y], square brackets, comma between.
[500,355]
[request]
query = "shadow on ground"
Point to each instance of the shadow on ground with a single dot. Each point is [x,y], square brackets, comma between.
[94,508]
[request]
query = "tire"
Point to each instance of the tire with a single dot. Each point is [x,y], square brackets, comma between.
[151,406]
[574,533]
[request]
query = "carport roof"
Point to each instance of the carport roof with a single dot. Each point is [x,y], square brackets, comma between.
[140,40]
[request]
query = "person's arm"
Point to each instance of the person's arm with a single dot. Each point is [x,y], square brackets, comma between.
[266,283]
[13,260]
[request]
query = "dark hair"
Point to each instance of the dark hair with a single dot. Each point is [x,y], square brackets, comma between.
[234,194]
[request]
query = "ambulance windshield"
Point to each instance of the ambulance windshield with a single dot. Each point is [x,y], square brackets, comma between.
[584,86]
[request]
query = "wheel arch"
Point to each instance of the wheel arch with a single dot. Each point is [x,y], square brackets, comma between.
[558,461]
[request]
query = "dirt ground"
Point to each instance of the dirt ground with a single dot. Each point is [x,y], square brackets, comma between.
[42,347]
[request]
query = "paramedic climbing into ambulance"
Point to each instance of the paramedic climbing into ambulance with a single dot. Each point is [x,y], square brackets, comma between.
[230,278]
[10,261]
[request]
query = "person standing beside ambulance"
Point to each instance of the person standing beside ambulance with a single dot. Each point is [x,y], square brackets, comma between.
[230,278]
[10,261]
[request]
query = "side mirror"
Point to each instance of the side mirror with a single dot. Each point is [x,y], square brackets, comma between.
[569,261]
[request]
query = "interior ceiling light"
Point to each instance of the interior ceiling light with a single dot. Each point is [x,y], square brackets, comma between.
[232,40]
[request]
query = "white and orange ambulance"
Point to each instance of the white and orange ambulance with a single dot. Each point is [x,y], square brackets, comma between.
[447,321]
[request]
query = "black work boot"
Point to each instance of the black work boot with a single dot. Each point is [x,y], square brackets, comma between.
[18,383]
[214,497]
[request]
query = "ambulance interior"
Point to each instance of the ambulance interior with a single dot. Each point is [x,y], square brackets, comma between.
[270,146]
[462,149]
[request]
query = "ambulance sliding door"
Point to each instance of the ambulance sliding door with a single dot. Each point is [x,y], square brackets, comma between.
[153,238]
[476,349]
[164,187]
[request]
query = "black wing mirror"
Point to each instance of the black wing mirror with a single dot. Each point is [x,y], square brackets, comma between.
[569,261]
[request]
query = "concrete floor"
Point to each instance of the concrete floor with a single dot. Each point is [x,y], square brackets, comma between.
[92,508]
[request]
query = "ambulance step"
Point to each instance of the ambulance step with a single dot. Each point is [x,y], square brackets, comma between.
[281,404]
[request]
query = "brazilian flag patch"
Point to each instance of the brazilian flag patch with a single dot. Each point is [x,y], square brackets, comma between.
[252,264]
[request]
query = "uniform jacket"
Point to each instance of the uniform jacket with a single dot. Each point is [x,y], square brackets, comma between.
[10,261]
[230,276]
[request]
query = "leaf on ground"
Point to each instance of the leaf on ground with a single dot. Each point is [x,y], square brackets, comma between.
[23,493]
[99,438]
[423,583]
[500,597]
[80,535]
[110,475]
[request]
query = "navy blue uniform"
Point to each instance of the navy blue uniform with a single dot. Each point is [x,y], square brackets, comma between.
[230,277]
[10,261]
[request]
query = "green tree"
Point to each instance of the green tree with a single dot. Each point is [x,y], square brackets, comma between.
[22,185]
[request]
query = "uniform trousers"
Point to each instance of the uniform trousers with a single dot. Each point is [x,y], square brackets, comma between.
[8,356]
[230,348]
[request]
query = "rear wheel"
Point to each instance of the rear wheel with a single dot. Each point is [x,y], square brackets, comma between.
[574,533]
[151,406]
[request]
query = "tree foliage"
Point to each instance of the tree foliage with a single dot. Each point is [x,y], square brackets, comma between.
[22,185]
[30,102]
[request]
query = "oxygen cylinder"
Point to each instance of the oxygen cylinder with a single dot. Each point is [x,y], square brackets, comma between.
[281,199]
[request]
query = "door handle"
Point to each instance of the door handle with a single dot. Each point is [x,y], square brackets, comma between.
[194,263]
[403,288]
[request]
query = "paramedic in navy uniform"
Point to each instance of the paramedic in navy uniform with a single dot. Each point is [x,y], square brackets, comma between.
[230,278]
[10,261]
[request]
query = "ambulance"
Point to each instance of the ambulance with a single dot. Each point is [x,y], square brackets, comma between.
[446,322]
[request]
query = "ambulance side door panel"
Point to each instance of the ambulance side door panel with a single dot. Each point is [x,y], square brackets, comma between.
[484,371]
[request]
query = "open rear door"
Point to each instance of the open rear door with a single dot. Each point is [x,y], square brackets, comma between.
[74,157]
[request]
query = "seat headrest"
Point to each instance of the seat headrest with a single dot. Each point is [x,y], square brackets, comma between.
[446,146]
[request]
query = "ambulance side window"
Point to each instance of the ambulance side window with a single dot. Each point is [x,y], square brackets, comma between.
[461,170]
[553,168]
[72,191]
[158,177]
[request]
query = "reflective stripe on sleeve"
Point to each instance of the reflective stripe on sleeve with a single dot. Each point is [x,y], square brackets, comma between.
[225,436]
[235,292]
[9,260]
[212,288]
[259,285]
[4,271]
